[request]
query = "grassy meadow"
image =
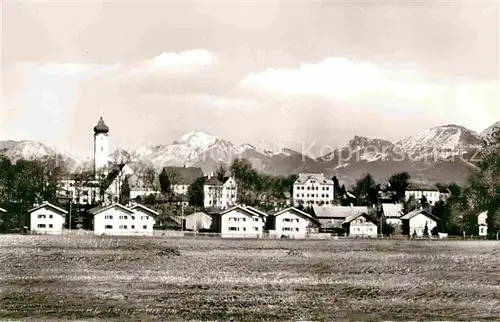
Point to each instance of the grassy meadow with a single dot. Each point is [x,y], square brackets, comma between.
[146,279]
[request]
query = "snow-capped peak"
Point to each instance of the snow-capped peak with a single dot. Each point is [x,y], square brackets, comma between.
[198,140]
[449,139]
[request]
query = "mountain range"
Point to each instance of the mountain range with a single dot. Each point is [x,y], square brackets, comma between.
[440,154]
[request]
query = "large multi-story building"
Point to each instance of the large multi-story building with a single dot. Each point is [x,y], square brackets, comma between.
[418,191]
[219,194]
[313,189]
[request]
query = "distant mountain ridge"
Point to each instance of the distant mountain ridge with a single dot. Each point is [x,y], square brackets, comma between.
[426,155]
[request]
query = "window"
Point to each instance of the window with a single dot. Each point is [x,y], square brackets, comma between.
[144,217]
[133,217]
[42,216]
[286,229]
[51,226]
[123,217]
[256,228]
[327,188]
[102,148]
[123,226]
[108,227]
[234,228]
[51,216]
[132,227]
[145,227]
[108,217]
[256,219]
[41,226]
[244,229]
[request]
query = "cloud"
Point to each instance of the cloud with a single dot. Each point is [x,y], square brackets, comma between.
[402,89]
[173,63]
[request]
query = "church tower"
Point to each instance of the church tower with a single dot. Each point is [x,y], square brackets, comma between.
[101,148]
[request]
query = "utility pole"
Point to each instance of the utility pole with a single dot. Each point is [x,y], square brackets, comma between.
[182,216]
[70,202]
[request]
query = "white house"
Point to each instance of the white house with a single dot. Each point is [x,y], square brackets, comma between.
[114,219]
[431,193]
[481,223]
[312,189]
[361,224]
[293,223]
[79,188]
[219,194]
[332,218]
[197,221]
[240,222]
[392,214]
[414,222]
[47,219]
[144,220]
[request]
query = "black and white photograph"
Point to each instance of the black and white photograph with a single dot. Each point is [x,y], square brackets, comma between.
[250,160]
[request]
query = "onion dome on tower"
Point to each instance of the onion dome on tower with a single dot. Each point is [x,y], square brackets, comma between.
[101,127]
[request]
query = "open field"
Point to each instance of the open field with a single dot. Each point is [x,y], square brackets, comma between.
[72,277]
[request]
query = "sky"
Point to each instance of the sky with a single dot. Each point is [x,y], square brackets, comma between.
[272,74]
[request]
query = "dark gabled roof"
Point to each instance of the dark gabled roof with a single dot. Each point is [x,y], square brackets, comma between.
[319,177]
[421,187]
[415,212]
[115,172]
[101,127]
[96,210]
[151,211]
[299,212]
[354,216]
[48,205]
[249,210]
[214,181]
[183,175]
[260,212]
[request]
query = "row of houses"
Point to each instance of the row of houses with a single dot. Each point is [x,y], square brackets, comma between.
[249,222]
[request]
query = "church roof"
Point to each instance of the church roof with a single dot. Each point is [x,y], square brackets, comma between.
[101,127]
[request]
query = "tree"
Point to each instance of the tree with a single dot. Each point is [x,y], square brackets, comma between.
[483,189]
[366,190]
[443,211]
[424,203]
[125,192]
[220,172]
[410,204]
[24,184]
[196,193]
[165,184]
[338,195]
[388,229]
[398,184]
[148,177]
